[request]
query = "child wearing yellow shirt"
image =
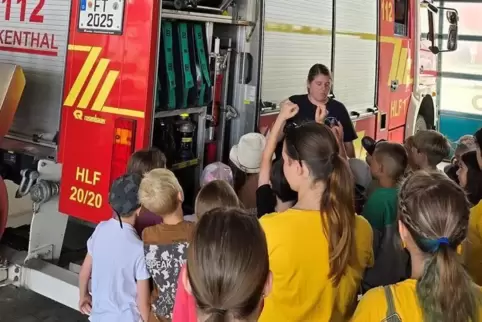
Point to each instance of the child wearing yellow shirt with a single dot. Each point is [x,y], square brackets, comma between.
[470,178]
[319,248]
[433,219]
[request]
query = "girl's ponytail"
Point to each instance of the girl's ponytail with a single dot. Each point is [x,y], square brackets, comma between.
[445,291]
[435,212]
[316,146]
[217,315]
[338,216]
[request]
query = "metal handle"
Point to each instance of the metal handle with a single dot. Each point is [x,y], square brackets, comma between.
[355,115]
[247,75]
[394,85]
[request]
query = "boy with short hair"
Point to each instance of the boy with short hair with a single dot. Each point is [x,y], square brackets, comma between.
[115,261]
[429,149]
[165,243]
[388,165]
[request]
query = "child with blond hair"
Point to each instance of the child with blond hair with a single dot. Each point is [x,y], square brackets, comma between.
[165,244]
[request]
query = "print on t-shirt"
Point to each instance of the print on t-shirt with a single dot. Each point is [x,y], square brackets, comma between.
[164,262]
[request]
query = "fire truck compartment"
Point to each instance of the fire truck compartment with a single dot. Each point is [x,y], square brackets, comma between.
[37,43]
[12,84]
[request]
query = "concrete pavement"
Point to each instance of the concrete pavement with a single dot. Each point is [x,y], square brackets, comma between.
[21,305]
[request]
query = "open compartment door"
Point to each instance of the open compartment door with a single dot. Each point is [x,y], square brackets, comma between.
[12,84]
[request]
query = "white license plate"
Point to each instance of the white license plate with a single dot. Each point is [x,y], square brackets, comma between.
[101,16]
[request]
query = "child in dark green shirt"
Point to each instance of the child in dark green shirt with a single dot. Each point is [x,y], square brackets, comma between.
[388,165]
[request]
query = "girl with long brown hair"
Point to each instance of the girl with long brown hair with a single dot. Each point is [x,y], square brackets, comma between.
[215,194]
[227,266]
[319,248]
[433,222]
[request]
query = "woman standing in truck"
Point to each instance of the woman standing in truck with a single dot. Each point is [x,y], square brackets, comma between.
[319,84]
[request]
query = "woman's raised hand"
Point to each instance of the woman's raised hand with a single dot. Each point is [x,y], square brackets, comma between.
[321,113]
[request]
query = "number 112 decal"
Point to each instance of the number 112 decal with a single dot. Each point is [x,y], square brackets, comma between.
[35,16]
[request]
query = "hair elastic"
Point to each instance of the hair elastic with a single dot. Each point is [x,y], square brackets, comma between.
[443,241]
[433,245]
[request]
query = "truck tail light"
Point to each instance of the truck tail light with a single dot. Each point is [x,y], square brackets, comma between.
[124,143]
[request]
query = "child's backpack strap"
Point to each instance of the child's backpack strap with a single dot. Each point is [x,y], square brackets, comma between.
[392,315]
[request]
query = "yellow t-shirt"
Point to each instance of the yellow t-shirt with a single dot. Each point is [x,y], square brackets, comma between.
[473,251]
[299,261]
[373,305]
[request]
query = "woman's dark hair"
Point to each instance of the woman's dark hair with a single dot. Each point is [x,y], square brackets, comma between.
[228,265]
[280,185]
[316,147]
[318,69]
[436,212]
[474,177]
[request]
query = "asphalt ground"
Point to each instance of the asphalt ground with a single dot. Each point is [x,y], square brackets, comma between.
[22,305]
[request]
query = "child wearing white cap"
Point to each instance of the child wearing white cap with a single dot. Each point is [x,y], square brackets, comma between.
[246,159]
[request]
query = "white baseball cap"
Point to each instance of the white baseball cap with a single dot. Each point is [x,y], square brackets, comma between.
[246,155]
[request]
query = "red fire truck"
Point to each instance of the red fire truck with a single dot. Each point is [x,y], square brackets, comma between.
[81,88]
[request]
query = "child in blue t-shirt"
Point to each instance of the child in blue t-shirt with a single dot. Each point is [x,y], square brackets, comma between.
[115,261]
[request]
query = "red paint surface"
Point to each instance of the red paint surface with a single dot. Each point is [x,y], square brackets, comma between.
[403,93]
[87,145]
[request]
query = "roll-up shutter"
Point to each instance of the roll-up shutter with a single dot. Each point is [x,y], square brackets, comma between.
[297,35]
[355,53]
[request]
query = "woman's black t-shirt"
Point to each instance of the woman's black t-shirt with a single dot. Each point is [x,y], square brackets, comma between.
[335,109]
[307,111]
